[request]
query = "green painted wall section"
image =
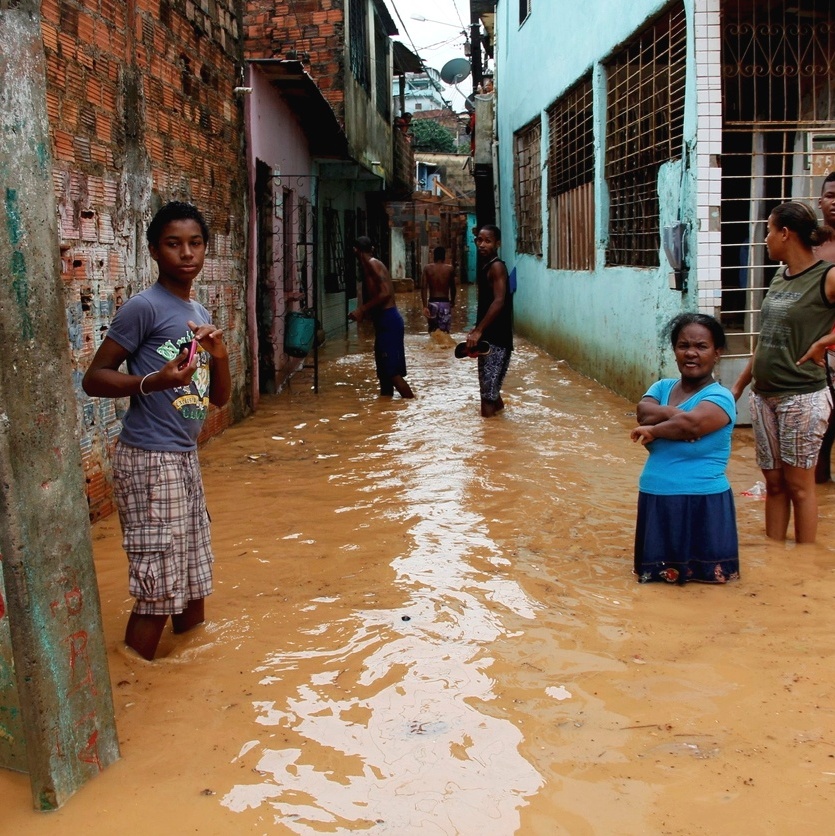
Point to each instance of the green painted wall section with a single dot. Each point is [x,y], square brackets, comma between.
[17,267]
[607,322]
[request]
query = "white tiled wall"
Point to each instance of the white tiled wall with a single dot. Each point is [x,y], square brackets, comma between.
[709,149]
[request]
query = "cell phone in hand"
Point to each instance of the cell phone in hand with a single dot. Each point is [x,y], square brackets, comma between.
[192,350]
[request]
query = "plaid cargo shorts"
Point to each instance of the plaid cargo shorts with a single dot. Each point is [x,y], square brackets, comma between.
[165,528]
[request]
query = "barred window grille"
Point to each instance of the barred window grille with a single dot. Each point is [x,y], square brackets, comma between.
[571,179]
[330,225]
[528,183]
[778,61]
[382,46]
[287,234]
[304,247]
[778,139]
[358,43]
[645,128]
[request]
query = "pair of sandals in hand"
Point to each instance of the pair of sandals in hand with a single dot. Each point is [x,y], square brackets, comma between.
[461,350]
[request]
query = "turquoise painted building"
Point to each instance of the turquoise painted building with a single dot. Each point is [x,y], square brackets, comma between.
[620,127]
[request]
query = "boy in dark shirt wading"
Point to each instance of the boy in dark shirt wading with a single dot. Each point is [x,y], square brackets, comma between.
[494,323]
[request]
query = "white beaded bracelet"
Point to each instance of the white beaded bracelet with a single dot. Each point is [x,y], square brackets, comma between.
[142,384]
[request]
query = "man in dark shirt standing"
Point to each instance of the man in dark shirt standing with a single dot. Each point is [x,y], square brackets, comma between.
[826,252]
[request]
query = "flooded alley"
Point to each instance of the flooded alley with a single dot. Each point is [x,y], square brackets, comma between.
[425,622]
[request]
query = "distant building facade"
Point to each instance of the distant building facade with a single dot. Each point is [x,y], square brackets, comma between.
[420,92]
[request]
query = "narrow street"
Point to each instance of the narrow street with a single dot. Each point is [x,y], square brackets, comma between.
[425,622]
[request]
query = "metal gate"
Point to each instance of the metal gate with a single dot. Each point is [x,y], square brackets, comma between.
[286,268]
[778,138]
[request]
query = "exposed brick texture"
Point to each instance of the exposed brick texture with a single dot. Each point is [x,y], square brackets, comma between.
[275,28]
[428,222]
[141,108]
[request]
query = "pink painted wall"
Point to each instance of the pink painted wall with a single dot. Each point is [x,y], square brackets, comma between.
[275,137]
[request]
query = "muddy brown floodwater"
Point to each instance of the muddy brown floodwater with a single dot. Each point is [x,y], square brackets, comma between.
[425,622]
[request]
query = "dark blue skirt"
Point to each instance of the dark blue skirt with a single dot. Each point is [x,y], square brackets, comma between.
[686,538]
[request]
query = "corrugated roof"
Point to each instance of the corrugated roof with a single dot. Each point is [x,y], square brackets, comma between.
[405,61]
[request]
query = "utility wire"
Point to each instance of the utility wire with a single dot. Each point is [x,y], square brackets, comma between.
[447,42]
[455,6]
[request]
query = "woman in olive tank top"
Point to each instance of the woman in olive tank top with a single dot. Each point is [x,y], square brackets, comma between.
[790,401]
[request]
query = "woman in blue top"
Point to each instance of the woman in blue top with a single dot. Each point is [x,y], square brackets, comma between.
[686,529]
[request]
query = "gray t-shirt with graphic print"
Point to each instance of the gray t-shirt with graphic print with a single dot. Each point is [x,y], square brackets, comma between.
[153,327]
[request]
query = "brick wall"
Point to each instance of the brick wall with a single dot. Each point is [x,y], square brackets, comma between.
[428,222]
[142,110]
[312,29]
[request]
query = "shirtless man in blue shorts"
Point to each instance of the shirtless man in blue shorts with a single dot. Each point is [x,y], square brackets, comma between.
[389,330]
[437,291]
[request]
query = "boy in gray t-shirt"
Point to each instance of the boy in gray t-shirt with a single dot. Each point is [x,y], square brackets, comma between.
[177,365]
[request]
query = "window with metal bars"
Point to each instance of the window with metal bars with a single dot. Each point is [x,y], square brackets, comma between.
[644,129]
[527,179]
[358,43]
[305,249]
[382,45]
[777,60]
[571,179]
[333,253]
[778,143]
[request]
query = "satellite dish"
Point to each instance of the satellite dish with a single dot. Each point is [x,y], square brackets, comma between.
[456,70]
[469,104]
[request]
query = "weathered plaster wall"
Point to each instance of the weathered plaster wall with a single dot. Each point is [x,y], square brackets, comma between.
[275,134]
[455,172]
[141,111]
[369,134]
[606,322]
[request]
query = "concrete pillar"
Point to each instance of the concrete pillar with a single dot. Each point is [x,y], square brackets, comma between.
[54,682]
[398,268]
